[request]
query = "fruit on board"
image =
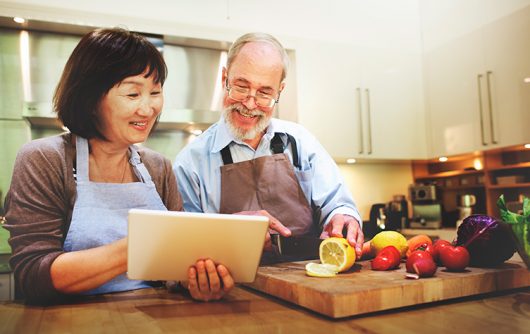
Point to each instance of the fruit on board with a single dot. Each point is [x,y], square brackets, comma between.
[338,252]
[417,240]
[421,264]
[387,259]
[389,238]
[454,258]
[320,270]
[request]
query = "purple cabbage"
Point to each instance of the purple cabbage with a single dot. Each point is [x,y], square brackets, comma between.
[488,240]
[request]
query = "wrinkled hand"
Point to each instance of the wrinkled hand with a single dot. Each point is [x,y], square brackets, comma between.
[354,233]
[274,225]
[207,282]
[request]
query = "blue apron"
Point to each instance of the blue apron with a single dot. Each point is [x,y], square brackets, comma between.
[100,211]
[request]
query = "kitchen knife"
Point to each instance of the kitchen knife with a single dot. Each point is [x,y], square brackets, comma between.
[302,246]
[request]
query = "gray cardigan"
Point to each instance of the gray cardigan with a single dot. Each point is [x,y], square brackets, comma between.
[39,208]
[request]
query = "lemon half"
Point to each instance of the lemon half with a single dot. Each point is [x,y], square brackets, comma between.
[338,252]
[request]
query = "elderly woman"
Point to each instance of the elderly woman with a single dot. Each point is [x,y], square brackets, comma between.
[70,194]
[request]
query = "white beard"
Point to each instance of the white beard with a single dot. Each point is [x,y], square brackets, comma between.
[242,134]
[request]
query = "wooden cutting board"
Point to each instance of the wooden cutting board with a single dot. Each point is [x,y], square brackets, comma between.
[362,290]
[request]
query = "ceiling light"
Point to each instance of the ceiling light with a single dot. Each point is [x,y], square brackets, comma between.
[442,159]
[19,20]
[351,161]
[196,132]
[527,145]
[526,80]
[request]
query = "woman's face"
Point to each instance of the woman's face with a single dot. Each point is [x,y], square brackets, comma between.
[129,110]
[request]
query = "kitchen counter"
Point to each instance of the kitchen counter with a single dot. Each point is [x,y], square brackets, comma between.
[247,311]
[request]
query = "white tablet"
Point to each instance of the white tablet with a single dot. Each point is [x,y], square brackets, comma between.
[162,245]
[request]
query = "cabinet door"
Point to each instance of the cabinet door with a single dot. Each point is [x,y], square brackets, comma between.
[454,88]
[396,112]
[328,75]
[507,52]
[476,58]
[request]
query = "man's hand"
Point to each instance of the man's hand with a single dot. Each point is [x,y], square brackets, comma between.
[354,234]
[206,281]
[274,225]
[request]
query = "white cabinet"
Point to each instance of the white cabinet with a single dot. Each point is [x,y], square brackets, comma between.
[364,98]
[476,61]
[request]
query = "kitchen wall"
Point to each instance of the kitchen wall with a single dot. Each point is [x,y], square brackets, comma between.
[375,182]
[342,23]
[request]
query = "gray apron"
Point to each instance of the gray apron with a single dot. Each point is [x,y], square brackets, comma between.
[100,211]
[267,183]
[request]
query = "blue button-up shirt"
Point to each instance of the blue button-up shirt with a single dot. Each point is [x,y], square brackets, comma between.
[197,168]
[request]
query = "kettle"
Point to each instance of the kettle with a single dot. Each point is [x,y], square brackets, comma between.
[467,200]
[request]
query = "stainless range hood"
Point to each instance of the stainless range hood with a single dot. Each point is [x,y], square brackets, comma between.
[192,90]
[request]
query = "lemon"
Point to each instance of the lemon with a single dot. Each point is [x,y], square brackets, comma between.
[320,270]
[338,252]
[390,238]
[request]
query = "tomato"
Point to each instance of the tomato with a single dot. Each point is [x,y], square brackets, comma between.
[437,247]
[421,263]
[454,258]
[388,258]
[426,247]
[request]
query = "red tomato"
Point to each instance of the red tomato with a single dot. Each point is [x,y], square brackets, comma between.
[421,263]
[426,247]
[437,247]
[388,258]
[454,258]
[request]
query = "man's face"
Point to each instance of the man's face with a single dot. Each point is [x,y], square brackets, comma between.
[258,67]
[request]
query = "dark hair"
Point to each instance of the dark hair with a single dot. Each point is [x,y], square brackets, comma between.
[102,59]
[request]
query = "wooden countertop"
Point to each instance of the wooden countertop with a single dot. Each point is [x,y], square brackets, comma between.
[246,311]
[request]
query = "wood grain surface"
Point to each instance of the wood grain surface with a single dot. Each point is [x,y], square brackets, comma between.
[362,290]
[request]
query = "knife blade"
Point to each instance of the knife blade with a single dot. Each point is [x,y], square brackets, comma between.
[302,246]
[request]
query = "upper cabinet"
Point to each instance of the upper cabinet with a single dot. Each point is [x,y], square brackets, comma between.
[476,73]
[363,97]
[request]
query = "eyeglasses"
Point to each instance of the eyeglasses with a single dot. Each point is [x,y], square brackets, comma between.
[240,94]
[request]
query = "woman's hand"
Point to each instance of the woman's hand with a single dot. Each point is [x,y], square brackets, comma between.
[207,282]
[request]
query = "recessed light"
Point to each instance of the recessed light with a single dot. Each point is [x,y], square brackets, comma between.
[442,159]
[196,132]
[526,80]
[19,20]
[526,145]
[351,161]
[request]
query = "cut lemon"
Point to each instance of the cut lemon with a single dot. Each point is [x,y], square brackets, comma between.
[320,270]
[338,252]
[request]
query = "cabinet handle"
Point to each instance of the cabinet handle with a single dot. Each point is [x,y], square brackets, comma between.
[360,107]
[479,78]
[369,112]
[490,106]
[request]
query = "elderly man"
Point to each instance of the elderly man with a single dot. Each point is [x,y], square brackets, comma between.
[249,162]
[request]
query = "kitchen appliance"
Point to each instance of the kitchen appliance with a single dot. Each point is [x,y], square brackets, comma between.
[465,207]
[426,208]
[377,221]
[421,192]
[426,215]
[397,213]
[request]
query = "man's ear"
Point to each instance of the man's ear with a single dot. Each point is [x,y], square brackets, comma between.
[224,76]
[282,86]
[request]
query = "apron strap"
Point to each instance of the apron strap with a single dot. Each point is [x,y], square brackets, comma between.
[276,148]
[81,159]
[227,156]
[294,150]
[141,171]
